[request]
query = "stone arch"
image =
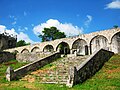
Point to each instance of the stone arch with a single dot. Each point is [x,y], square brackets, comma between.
[80,46]
[63,48]
[25,51]
[115,42]
[35,49]
[98,42]
[48,48]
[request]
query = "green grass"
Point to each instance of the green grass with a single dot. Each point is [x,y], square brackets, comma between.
[108,78]
[47,66]
[13,63]
[50,65]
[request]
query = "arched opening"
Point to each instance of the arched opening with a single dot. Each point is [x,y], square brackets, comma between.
[48,48]
[35,49]
[63,48]
[10,44]
[98,42]
[115,44]
[86,50]
[25,51]
[80,46]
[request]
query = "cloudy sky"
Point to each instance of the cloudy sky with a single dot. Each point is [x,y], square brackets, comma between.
[27,18]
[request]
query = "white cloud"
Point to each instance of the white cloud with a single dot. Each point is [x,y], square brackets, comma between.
[67,28]
[22,29]
[2,28]
[23,36]
[32,25]
[14,23]
[25,28]
[89,19]
[20,36]
[12,17]
[113,5]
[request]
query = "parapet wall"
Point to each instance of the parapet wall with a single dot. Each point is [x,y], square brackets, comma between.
[18,73]
[89,67]
[31,57]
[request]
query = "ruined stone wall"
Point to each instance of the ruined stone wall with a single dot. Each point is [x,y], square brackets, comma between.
[7,41]
[6,56]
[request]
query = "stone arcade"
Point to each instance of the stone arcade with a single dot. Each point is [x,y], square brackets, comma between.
[84,44]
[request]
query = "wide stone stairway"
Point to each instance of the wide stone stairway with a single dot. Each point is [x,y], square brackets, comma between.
[55,72]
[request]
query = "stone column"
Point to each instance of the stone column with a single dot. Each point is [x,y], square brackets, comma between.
[71,51]
[72,78]
[89,50]
[9,73]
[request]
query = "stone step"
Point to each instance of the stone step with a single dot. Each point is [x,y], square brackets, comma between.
[58,73]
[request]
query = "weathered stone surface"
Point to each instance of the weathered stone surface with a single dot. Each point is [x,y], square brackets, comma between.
[84,44]
[72,76]
[9,73]
[18,73]
[89,67]
[7,41]
[6,56]
[58,70]
[81,68]
[31,57]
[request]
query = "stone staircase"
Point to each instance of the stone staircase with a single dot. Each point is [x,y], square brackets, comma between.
[55,72]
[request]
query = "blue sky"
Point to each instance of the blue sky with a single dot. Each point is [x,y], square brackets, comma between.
[27,18]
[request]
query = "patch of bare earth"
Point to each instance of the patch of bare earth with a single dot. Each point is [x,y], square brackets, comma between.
[113,70]
[28,78]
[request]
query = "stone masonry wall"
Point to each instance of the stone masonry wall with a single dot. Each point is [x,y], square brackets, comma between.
[89,67]
[103,40]
[6,56]
[7,41]
[18,73]
[31,57]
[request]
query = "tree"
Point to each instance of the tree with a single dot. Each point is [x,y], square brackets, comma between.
[51,33]
[21,43]
[115,26]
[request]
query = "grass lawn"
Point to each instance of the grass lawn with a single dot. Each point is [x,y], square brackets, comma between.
[108,78]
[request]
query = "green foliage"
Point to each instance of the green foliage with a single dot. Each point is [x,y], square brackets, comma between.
[21,43]
[51,33]
[115,26]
